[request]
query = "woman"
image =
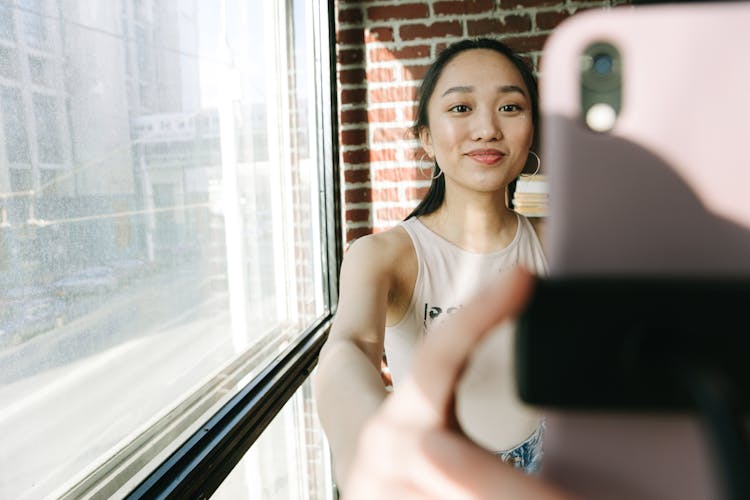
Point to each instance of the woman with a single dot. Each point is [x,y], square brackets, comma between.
[476,120]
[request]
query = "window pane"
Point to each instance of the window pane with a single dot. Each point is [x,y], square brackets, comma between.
[159,241]
[14,126]
[47,130]
[38,70]
[32,18]
[291,458]
[6,21]
[8,63]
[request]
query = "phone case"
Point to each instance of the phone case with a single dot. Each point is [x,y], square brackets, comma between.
[663,194]
[666,191]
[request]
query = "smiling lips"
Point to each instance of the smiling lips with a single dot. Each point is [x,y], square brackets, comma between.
[486,156]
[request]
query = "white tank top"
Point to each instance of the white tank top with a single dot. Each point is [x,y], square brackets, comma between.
[447,276]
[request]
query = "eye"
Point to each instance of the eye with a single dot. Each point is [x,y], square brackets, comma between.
[510,108]
[459,108]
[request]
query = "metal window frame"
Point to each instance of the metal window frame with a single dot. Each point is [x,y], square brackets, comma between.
[200,465]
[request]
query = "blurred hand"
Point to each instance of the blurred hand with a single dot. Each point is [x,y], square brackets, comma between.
[413,448]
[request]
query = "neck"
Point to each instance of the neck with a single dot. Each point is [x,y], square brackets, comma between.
[481,223]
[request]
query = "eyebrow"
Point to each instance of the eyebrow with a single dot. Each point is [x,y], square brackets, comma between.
[465,89]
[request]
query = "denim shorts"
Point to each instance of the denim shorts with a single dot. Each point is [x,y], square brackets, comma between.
[527,456]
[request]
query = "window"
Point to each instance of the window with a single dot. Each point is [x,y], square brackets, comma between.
[161,264]
[278,465]
[20,179]
[32,18]
[6,21]
[14,126]
[47,130]
[38,70]
[8,63]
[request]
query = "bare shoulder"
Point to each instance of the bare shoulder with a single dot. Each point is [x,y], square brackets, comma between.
[382,250]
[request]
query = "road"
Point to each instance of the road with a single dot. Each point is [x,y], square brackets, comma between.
[116,369]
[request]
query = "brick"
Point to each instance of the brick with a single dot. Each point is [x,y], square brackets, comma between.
[385,194]
[497,26]
[440,47]
[416,193]
[357,157]
[523,44]
[358,215]
[358,195]
[380,34]
[357,232]
[550,20]
[352,116]
[512,4]
[350,56]
[393,94]
[392,134]
[380,115]
[411,72]
[463,7]
[434,30]
[354,137]
[411,52]
[357,176]
[354,36]
[402,11]
[393,213]
[354,76]
[397,174]
[353,96]
[350,16]
[380,75]
[409,113]
[383,155]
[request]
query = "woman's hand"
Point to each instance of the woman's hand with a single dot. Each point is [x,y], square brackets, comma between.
[412,447]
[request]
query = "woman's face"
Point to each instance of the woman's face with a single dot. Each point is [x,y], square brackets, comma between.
[480,126]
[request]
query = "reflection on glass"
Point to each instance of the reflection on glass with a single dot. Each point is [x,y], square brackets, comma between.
[138,255]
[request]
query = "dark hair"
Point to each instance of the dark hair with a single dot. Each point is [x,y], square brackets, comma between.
[435,195]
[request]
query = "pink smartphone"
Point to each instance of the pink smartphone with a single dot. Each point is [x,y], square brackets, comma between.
[645,120]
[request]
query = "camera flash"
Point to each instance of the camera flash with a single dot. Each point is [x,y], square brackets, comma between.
[601,117]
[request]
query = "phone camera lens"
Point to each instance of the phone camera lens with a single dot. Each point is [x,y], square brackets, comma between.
[602,64]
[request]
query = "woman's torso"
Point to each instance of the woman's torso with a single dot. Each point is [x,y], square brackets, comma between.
[446,277]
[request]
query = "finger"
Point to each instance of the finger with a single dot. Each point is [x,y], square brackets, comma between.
[467,471]
[441,359]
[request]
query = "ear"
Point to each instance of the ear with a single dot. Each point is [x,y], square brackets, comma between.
[426,139]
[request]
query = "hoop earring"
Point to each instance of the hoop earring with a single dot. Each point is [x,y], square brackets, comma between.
[538,165]
[421,169]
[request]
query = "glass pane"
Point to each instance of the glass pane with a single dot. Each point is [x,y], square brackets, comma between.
[8,63]
[14,125]
[38,70]
[47,129]
[32,19]
[291,458]
[158,223]
[6,20]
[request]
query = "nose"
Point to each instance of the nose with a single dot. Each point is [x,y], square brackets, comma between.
[487,126]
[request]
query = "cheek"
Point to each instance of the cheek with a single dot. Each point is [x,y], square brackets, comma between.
[447,135]
[522,135]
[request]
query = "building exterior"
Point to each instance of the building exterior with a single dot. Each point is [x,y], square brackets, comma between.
[77,82]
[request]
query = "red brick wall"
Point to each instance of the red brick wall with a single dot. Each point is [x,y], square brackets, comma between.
[383,49]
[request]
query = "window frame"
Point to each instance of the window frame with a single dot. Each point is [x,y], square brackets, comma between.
[203,461]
